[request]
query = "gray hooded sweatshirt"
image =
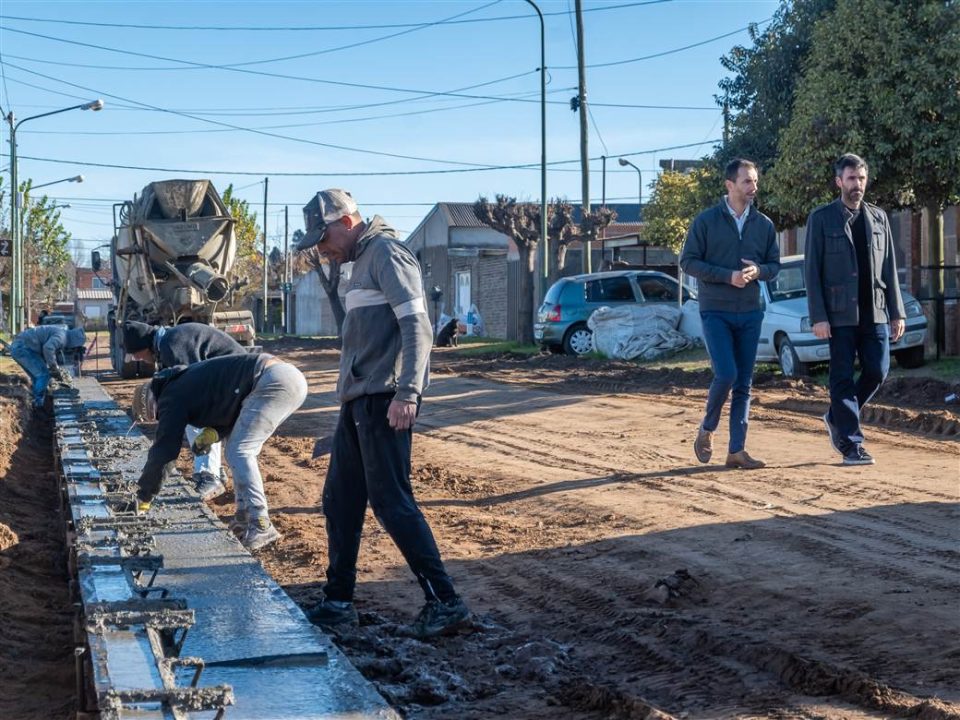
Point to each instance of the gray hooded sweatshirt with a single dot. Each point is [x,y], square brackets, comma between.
[45,340]
[386,332]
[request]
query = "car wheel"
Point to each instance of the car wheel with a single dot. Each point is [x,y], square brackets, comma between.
[790,364]
[911,357]
[578,340]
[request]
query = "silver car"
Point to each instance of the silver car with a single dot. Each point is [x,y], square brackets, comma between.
[786,335]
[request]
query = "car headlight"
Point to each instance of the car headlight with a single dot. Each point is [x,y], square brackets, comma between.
[805,325]
[913,308]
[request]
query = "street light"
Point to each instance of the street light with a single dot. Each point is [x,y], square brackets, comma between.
[543,145]
[75,178]
[17,318]
[623,163]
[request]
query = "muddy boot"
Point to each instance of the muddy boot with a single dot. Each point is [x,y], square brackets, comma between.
[333,614]
[208,485]
[437,618]
[260,533]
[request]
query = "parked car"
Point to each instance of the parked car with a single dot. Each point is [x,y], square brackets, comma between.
[562,319]
[786,336]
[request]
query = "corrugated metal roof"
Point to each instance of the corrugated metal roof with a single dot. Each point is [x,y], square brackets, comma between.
[99,294]
[461,215]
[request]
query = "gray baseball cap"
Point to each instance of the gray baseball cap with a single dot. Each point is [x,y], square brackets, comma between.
[326,207]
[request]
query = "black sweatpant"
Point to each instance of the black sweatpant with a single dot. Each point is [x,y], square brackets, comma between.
[371,461]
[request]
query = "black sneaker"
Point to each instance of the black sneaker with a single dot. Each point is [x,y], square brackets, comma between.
[208,486]
[832,433]
[437,618]
[333,613]
[856,455]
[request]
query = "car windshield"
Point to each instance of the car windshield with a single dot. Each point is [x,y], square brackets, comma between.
[788,284]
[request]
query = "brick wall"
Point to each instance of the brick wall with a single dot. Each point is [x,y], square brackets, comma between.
[491,294]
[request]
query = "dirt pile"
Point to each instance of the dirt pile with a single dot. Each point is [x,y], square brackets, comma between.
[36,655]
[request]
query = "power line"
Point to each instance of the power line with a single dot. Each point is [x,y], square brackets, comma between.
[364,86]
[665,52]
[316,28]
[262,173]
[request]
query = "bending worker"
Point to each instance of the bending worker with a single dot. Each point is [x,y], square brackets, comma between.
[244,396]
[185,344]
[35,350]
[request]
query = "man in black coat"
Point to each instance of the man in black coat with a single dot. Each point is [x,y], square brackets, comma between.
[185,344]
[853,296]
[245,397]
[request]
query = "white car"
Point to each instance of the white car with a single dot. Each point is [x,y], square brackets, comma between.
[786,335]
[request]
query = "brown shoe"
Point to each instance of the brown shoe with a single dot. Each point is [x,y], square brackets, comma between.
[703,445]
[744,461]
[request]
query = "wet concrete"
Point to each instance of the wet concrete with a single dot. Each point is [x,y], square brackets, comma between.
[247,634]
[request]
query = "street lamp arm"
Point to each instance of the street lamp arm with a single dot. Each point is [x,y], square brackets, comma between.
[93,105]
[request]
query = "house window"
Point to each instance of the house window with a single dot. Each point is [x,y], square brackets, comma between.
[97,283]
[91,311]
[463,294]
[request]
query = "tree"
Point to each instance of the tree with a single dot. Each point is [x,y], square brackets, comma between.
[328,272]
[249,260]
[521,223]
[45,253]
[764,78]
[678,197]
[889,95]
[561,231]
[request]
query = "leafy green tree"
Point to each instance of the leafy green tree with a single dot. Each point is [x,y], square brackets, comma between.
[45,254]
[763,83]
[891,95]
[249,262]
[678,197]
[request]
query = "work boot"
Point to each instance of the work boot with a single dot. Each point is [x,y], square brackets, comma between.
[437,618]
[260,533]
[208,485]
[333,614]
[703,445]
[743,461]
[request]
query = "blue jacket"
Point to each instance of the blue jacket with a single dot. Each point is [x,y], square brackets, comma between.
[713,252]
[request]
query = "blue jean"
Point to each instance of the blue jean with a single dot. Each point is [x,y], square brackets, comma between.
[35,366]
[871,344]
[279,391]
[371,462]
[731,340]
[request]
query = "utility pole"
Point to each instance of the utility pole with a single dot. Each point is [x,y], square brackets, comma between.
[284,305]
[266,185]
[584,157]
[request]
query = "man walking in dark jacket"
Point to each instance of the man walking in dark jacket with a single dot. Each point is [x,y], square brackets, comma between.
[853,293]
[729,247]
[185,344]
[383,372]
[244,396]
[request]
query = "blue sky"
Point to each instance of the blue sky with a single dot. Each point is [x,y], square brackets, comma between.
[172,110]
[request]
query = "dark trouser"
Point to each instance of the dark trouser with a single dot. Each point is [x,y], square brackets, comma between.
[871,344]
[371,461]
[731,340]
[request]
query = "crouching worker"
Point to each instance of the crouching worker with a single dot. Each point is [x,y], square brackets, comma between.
[35,350]
[185,344]
[244,397]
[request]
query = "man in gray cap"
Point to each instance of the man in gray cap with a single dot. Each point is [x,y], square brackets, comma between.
[383,372]
[35,350]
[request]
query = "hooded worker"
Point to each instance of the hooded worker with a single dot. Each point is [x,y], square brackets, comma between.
[185,344]
[35,350]
[245,397]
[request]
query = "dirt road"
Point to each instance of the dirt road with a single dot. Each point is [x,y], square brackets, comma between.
[613,576]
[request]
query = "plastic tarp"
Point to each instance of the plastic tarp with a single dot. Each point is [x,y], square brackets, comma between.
[647,332]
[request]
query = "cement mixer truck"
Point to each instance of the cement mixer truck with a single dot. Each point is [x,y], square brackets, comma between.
[173,255]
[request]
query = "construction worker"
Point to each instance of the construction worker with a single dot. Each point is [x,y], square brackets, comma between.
[245,397]
[185,344]
[35,350]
